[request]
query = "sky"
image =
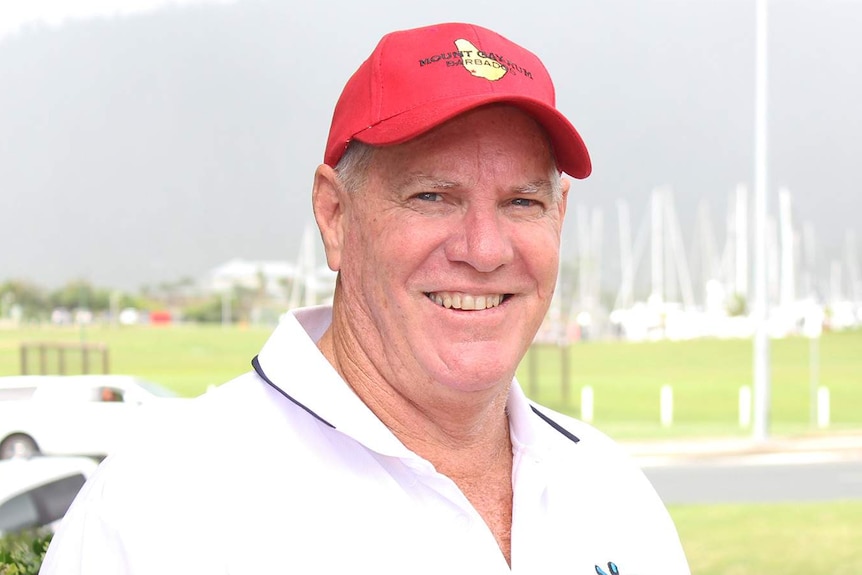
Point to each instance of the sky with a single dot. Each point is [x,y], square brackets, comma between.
[148,141]
[18,14]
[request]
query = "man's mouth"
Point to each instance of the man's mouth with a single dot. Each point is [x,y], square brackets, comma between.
[463,301]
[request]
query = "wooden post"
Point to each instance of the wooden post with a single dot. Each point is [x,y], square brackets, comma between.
[564,367]
[43,366]
[533,370]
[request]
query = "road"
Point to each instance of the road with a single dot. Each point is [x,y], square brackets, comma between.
[765,478]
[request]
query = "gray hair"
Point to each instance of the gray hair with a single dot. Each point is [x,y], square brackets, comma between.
[352,169]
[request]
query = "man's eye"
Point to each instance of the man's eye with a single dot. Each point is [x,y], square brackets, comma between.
[525,202]
[429,197]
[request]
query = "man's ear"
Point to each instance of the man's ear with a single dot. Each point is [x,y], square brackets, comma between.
[328,203]
[565,184]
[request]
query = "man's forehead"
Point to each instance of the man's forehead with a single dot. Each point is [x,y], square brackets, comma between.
[495,128]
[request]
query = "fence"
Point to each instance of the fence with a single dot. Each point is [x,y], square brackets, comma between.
[62,358]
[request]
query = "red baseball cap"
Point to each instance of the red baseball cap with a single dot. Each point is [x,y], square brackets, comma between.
[417,79]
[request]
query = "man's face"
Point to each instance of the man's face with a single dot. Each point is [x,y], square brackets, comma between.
[450,251]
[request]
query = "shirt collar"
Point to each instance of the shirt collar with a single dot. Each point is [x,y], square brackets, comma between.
[291,362]
[524,424]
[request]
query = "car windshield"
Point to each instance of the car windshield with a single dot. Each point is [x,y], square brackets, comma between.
[155,388]
[40,505]
[14,393]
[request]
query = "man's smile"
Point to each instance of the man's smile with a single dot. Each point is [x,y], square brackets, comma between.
[465,301]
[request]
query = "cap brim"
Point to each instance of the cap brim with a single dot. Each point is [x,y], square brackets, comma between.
[569,149]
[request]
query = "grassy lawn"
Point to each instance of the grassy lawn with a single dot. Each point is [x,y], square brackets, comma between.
[705,376]
[185,358]
[626,377]
[790,539]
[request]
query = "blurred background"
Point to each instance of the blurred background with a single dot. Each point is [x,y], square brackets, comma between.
[152,143]
[156,161]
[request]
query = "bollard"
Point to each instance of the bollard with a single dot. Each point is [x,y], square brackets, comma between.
[823,407]
[587,404]
[745,406]
[666,407]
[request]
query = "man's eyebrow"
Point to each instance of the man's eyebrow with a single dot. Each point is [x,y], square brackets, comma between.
[431,181]
[534,187]
[426,181]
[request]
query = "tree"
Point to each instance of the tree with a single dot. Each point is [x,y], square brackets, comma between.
[30,298]
[81,294]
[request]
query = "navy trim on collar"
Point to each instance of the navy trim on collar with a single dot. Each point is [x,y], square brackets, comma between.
[255,363]
[555,425]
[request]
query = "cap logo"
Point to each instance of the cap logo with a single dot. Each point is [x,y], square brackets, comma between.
[480,64]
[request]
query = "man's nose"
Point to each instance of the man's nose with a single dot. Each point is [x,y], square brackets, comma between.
[482,240]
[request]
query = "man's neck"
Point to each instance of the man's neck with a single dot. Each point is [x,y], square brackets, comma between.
[443,419]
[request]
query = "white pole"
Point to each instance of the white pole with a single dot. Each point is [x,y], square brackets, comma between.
[658,290]
[587,404]
[584,253]
[813,371]
[666,406]
[823,407]
[808,250]
[787,284]
[745,406]
[835,281]
[596,232]
[741,238]
[760,308]
[678,252]
[855,283]
[812,328]
[626,295]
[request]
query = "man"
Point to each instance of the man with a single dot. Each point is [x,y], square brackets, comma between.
[386,434]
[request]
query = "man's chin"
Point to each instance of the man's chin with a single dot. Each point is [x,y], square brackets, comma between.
[474,372]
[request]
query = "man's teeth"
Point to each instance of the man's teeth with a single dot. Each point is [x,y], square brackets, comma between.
[454,300]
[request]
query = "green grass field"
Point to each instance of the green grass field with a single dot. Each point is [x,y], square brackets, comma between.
[185,358]
[790,539]
[626,377]
[706,375]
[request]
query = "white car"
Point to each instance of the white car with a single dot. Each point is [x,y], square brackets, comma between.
[37,492]
[74,414]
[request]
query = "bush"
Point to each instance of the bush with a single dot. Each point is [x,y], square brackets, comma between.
[22,553]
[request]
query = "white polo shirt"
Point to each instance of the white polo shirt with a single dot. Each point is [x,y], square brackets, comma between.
[285,470]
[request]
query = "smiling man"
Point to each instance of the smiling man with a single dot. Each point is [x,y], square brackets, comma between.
[386,433]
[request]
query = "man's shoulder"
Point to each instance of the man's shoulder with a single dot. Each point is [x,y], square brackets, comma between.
[207,423]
